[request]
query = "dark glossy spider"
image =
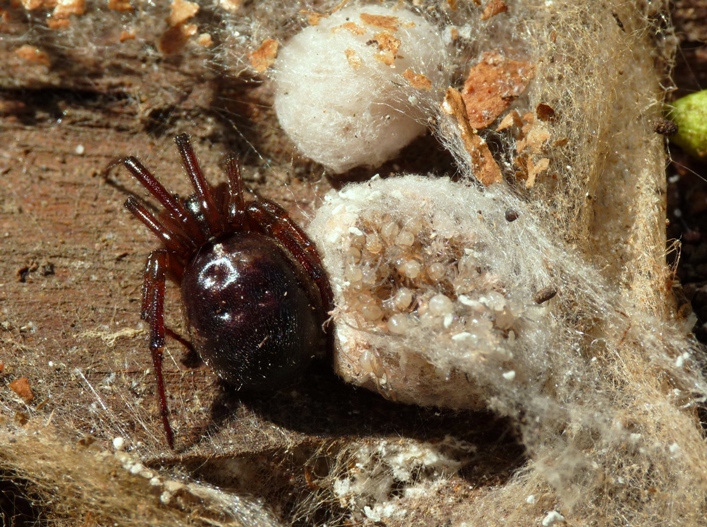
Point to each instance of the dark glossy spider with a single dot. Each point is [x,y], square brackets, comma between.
[254,291]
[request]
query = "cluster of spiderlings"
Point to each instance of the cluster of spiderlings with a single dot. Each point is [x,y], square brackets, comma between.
[402,276]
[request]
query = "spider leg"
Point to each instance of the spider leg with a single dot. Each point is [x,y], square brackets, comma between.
[272,220]
[174,207]
[153,313]
[172,239]
[202,188]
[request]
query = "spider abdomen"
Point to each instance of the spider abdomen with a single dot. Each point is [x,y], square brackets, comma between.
[249,316]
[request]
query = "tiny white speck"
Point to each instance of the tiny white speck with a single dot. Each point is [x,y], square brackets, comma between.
[136,469]
[532,500]
[165,497]
[461,336]
[551,518]
[680,361]
[118,443]
[356,231]
[448,319]
[674,448]
[635,437]
[50,364]
[79,150]
[509,375]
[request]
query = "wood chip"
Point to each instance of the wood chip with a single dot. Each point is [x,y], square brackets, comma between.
[385,22]
[205,40]
[32,54]
[493,8]
[485,168]
[352,57]
[352,27]
[181,11]
[492,85]
[120,5]
[534,169]
[388,47]
[126,35]
[174,39]
[58,23]
[31,5]
[264,57]
[510,120]
[417,80]
[231,5]
[65,8]
[21,388]
[545,112]
[313,17]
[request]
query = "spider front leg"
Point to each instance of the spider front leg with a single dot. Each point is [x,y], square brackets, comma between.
[153,312]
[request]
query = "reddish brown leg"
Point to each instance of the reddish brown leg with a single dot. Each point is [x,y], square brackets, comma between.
[203,191]
[174,207]
[171,240]
[274,221]
[153,313]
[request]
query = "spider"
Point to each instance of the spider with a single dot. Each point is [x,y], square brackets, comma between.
[253,286]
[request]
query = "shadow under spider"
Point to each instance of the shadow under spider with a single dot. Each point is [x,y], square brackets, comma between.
[321,405]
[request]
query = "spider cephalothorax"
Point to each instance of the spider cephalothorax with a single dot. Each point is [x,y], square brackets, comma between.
[253,286]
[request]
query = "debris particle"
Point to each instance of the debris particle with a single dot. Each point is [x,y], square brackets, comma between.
[493,8]
[385,22]
[534,169]
[205,40]
[552,518]
[665,127]
[492,85]
[23,272]
[536,137]
[32,54]
[353,58]
[351,27]
[231,5]
[509,375]
[79,150]
[545,294]
[313,17]
[485,168]
[181,11]
[545,112]
[417,80]
[31,5]
[65,8]
[511,215]
[120,5]
[126,35]
[388,47]
[176,37]
[118,443]
[21,418]
[21,387]
[264,57]
[510,120]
